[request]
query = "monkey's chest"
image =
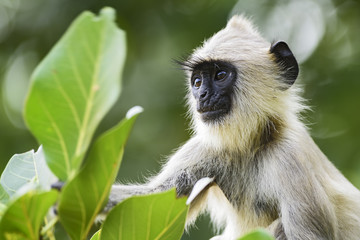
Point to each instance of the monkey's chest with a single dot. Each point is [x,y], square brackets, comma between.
[238,187]
[241,186]
[240,214]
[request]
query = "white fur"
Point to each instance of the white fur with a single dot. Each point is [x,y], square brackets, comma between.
[292,178]
[258,90]
[259,95]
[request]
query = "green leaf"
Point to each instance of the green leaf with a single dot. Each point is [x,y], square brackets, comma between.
[43,177]
[258,234]
[96,236]
[23,217]
[25,169]
[19,171]
[74,87]
[2,209]
[4,196]
[157,216]
[85,195]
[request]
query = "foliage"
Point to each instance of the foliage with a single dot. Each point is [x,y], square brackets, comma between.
[71,91]
[85,195]
[156,216]
[257,235]
[73,88]
[23,217]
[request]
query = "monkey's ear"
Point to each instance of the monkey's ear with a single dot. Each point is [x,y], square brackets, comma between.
[286,61]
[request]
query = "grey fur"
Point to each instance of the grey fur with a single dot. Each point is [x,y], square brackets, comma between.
[267,170]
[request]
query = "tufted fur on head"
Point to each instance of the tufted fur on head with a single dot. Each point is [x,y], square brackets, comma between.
[262,98]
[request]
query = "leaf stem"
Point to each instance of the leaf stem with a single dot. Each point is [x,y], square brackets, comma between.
[48,228]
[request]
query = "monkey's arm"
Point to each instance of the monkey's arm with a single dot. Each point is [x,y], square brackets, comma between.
[181,172]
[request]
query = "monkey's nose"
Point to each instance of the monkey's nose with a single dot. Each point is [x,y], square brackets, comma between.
[203,94]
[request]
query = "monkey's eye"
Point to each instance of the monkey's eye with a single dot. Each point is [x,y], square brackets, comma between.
[197,82]
[220,75]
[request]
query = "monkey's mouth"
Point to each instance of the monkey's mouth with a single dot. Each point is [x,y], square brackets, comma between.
[212,114]
[214,109]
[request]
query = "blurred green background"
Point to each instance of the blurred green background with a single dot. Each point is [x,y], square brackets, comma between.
[323,34]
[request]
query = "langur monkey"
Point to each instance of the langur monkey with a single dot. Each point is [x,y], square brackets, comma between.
[261,166]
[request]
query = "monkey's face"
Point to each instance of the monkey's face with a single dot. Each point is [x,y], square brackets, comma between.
[238,83]
[212,85]
[227,76]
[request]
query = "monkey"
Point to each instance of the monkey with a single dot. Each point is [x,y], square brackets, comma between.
[260,164]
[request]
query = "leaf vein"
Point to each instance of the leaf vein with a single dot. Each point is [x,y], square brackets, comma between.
[68,100]
[60,137]
[77,76]
[90,101]
[170,224]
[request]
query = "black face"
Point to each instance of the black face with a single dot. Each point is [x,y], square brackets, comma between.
[212,86]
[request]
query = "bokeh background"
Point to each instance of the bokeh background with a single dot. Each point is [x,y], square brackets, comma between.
[323,34]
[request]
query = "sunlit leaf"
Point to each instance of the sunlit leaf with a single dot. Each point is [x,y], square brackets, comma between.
[85,195]
[19,171]
[199,187]
[157,216]
[43,177]
[74,87]
[4,196]
[23,217]
[257,235]
[96,236]
[24,169]
[2,209]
